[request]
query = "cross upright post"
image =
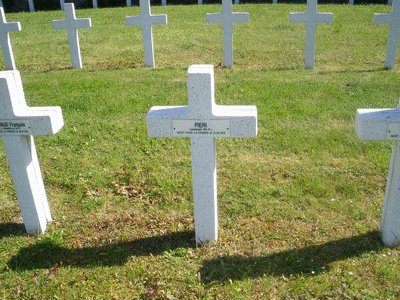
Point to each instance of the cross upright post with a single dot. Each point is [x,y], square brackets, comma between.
[146,20]
[71,24]
[393,19]
[18,124]
[5,41]
[1,3]
[202,120]
[311,17]
[62,4]
[94,3]
[227,18]
[31,6]
[129,3]
[384,124]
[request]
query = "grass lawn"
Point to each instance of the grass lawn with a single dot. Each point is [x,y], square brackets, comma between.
[299,206]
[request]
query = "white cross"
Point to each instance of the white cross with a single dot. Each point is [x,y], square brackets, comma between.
[227,18]
[311,17]
[1,3]
[146,20]
[128,3]
[384,124]
[202,121]
[94,3]
[5,41]
[71,24]
[62,4]
[18,124]
[393,39]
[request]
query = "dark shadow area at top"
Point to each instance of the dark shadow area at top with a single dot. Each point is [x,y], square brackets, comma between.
[310,260]
[46,254]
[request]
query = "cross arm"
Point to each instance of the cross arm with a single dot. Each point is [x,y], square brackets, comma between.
[378,124]
[382,18]
[159,119]
[298,17]
[243,119]
[59,24]
[213,18]
[13,108]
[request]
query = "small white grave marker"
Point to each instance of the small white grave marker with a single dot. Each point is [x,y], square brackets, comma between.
[94,3]
[384,124]
[71,24]
[5,41]
[1,3]
[62,4]
[311,17]
[227,18]
[146,20]
[18,124]
[203,121]
[129,3]
[393,39]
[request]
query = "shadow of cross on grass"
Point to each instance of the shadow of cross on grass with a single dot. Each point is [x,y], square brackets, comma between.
[46,253]
[310,260]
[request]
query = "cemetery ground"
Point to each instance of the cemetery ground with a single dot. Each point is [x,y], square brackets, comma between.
[299,206]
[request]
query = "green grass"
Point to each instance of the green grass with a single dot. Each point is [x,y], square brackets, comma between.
[299,206]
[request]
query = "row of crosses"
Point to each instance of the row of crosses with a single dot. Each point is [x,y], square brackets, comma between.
[146,20]
[129,3]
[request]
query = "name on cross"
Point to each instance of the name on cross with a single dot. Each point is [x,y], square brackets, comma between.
[18,124]
[203,120]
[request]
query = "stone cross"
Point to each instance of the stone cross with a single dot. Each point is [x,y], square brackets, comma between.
[5,41]
[384,124]
[203,121]
[94,3]
[393,39]
[1,3]
[129,3]
[311,17]
[71,24]
[146,20]
[227,18]
[62,4]
[18,124]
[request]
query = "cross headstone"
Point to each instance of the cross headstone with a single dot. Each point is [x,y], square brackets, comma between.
[18,124]
[274,1]
[31,6]
[129,3]
[146,20]
[384,124]
[203,121]
[5,41]
[393,39]
[71,24]
[311,17]
[1,3]
[62,4]
[94,3]
[227,18]
[163,2]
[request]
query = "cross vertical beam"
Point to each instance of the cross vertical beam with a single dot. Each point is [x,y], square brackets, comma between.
[311,17]
[227,18]
[203,120]
[129,3]
[146,20]
[31,6]
[62,4]
[5,41]
[393,19]
[94,3]
[71,24]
